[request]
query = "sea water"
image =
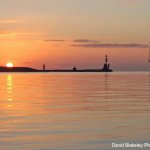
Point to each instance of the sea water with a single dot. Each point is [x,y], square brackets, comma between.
[74,111]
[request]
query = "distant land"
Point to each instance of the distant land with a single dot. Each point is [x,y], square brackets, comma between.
[27,69]
[106,68]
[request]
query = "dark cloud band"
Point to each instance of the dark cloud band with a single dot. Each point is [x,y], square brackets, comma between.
[85,41]
[54,40]
[131,45]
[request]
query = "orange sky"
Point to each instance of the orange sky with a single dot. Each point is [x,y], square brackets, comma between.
[65,33]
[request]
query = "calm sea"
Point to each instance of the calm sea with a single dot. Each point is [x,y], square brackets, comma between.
[73,111]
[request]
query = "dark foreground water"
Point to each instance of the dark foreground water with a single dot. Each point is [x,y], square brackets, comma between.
[68,111]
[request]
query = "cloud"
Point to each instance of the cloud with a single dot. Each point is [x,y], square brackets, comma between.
[10,21]
[54,40]
[85,41]
[107,45]
[9,34]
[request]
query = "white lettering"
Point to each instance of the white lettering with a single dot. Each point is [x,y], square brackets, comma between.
[117,145]
[146,145]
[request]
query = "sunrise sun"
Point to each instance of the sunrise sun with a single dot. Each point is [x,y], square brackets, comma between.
[9,64]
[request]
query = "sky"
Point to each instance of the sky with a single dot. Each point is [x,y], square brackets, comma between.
[67,33]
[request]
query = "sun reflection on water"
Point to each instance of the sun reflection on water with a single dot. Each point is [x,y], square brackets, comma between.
[9,88]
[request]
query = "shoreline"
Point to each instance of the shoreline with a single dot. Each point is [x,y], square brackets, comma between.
[27,69]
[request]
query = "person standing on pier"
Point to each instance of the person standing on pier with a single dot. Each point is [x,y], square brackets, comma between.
[43,67]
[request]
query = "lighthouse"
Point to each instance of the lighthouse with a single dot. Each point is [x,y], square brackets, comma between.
[106,59]
[106,67]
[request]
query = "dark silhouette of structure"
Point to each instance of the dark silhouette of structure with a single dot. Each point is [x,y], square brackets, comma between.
[74,68]
[43,67]
[106,67]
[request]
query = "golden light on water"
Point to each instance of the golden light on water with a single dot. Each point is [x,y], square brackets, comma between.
[9,88]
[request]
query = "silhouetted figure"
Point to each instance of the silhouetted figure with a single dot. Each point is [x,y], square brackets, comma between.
[74,68]
[43,67]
